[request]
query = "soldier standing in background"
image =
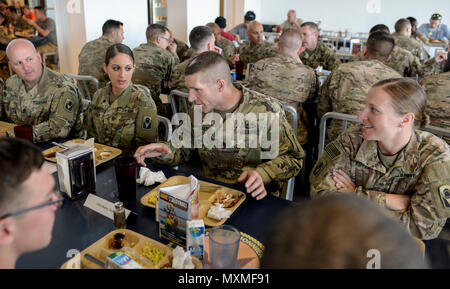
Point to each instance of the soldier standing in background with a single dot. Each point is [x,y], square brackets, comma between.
[210,86]
[39,96]
[316,53]
[92,55]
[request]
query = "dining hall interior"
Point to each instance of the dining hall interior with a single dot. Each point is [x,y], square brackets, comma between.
[333,168]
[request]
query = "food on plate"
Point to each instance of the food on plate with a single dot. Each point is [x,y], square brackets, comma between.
[153,254]
[118,242]
[228,200]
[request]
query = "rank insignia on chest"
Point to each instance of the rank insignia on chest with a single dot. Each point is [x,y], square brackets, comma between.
[445,196]
[69,105]
[147,124]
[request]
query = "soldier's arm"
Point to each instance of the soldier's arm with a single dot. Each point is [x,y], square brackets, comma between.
[146,121]
[289,160]
[327,89]
[333,61]
[432,66]
[430,202]
[63,115]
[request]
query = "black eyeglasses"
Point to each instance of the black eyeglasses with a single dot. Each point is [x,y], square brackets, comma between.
[59,202]
[436,17]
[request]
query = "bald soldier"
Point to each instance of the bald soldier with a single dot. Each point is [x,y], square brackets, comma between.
[316,53]
[292,22]
[403,39]
[256,48]
[226,45]
[154,64]
[261,171]
[286,78]
[437,88]
[346,88]
[39,96]
[92,55]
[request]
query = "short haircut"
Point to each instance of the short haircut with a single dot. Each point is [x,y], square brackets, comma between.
[222,22]
[41,9]
[213,26]
[380,27]
[212,67]
[291,40]
[110,26]
[115,49]
[199,36]
[250,16]
[402,24]
[412,20]
[18,160]
[380,45]
[338,232]
[312,26]
[154,31]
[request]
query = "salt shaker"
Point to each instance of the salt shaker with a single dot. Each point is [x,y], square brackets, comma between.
[119,216]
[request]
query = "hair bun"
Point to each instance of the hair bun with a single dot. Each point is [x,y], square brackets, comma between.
[425,120]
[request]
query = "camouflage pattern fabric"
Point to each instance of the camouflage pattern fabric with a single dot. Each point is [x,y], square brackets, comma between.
[181,48]
[412,46]
[421,171]
[4,37]
[228,163]
[251,54]
[321,56]
[4,67]
[288,25]
[20,24]
[437,88]
[405,63]
[126,121]
[345,90]
[420,37]
[292,83]
[52,107]
[228,49]
[91,60]
[153,66]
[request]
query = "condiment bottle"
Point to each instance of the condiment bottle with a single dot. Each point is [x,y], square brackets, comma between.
[119,216]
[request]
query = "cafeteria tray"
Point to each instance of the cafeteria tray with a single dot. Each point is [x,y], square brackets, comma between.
[208,197]
[50,156]
[6,126]
[135,241]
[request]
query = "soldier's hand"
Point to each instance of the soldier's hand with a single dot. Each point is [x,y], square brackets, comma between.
[234,59]
[172,47]
[151,151]
[343,181]
[441,56]
[397,202]
[254,184]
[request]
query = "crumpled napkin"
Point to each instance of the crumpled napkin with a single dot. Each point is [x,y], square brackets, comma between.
[149,178]
[182,259]
[217,212]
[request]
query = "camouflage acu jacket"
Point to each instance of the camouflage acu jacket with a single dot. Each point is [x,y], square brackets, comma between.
[127,122]
[249,53]
[52,107]
[412,46]
[421,171]
[321,56]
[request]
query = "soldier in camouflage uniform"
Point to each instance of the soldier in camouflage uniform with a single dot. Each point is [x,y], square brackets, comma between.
[228,49]
[18,22]
[416,34]
[154,64]
[403,39]
[207,77]
[121,115]
[292,22]
[316,53]
[256,48]
[285,78]
[201,39]
[39,96]
[346,88]
[405,170]
[437,88]
[92,56]
[181,48]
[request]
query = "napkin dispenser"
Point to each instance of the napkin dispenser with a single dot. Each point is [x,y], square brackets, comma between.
[76,171]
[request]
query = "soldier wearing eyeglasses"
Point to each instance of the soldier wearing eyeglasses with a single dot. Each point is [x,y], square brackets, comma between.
[28,201]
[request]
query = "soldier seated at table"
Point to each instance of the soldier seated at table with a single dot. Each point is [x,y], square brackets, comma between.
[286,78]
[353,230]
[16,21]
[226,45]
[256,48]
[28,201]
[346,88]
[92,55]
[39,96]
[46,28]
[402,36]
[263,168]
[437,88]
[389,160]
[154,64]
[292,22]
[316,53]
[415,33]
[201,39]
[120,114]
[435,31]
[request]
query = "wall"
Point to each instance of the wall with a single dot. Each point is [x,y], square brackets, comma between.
[357,15]
[177,18]
[133,14]
[200,12]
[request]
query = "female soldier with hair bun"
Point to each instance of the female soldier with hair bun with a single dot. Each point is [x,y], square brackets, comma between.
[390,161]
